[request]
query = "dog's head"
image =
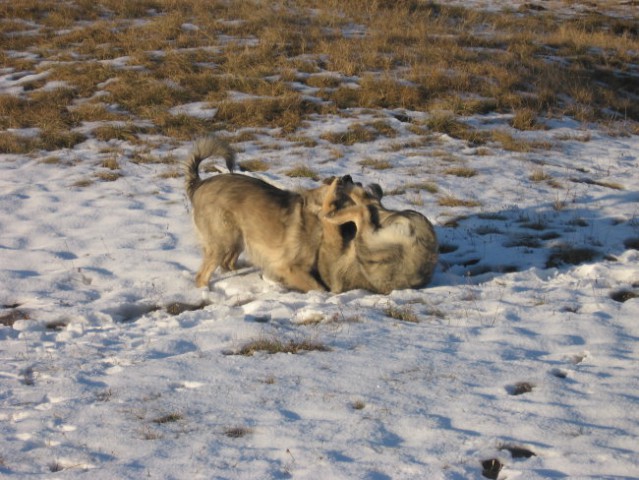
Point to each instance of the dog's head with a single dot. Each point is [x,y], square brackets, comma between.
[372,193]
[369,195]
[341,181]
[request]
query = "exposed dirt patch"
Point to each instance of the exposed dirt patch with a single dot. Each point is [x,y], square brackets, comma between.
[570,256]
[9,318]
[520,388]
[491,468]
[624,295]
[519,452]
[175,308]
[632,243]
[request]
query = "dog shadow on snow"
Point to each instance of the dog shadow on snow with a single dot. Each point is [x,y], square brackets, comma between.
[478,247]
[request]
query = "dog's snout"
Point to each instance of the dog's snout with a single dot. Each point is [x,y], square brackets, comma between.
[346,179]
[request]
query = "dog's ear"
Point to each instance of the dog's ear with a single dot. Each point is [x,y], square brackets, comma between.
[375,190]
[328,181]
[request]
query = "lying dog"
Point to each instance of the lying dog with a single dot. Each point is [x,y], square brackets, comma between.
[388,249]
[280,230]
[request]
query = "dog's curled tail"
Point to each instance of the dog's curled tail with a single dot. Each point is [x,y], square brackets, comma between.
[203,149]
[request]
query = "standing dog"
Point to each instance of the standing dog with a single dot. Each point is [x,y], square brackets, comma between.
[280,230]
[388,250]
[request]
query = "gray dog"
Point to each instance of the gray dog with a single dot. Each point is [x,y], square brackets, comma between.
[387,249]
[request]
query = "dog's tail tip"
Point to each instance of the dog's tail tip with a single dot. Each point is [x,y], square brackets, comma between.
[202,149]
[212,145]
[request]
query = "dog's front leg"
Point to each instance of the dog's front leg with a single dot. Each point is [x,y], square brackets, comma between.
[358,214]
[298,279]
[330,198]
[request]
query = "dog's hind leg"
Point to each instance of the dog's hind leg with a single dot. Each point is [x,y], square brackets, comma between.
[229,262]
[210,262]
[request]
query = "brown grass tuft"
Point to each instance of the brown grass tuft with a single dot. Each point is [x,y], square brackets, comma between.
[273,345]
[111,163]
[254,166]
[451,201]
[168,418]
[514,144]
[285,112]
[302,171]
[109,176]
[465,172]
[357,133]
[376,164]
[404,313]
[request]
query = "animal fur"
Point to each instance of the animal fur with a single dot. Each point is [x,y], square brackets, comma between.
[388,249]
[280,230]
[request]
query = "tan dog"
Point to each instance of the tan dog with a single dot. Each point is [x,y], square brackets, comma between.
[387,250]
[280,230]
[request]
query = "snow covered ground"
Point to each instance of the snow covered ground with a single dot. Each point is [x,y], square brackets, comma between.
[522,354]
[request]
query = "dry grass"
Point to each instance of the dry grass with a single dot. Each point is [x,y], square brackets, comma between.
[526,119]
[465,172]
[515,144]
[404,313]
[302,171]
[356,133]
[447,124]
[254,166]
[420,56]
[539,175]
[171,174]
[420,186]
[285,112]
[452,201]
[111,163]
[12,143]
[376,164]
[118,131]
[274,345]
[108,176]
[168,418]
[82,183]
